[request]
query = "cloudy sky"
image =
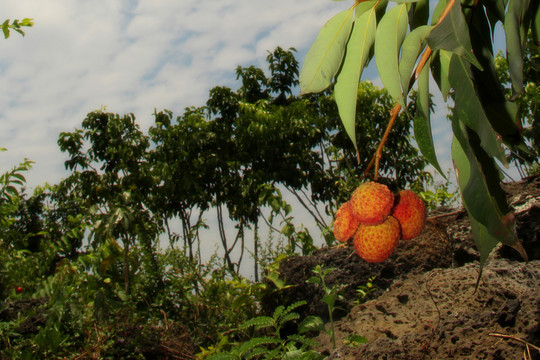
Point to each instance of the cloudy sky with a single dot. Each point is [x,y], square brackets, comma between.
[136,56]
[133,57]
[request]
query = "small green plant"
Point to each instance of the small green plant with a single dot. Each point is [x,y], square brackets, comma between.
[363,290]
[268,342]
[331,295]
[440,195]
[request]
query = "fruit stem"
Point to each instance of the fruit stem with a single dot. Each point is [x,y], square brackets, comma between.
[397,108]
[378,153]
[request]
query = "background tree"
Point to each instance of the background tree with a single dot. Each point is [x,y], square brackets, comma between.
[110,173]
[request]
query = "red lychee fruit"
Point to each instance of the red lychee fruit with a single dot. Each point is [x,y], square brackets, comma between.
[371,203]
[410,211]
[345,224]
[375,243]
[18,289]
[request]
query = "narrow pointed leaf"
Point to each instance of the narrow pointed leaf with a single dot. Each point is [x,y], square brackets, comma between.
[535,26]
[485,243]
[440,70]
[388,39]
[324,58]
[514,42]
[358,50]
[452,34]
[479,182]
[421,13]
[422,122]
[468,107]
[410,51]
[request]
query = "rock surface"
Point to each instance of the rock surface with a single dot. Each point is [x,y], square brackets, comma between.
[425,305]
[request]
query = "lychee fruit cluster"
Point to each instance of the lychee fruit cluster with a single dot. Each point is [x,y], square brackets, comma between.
[376,220]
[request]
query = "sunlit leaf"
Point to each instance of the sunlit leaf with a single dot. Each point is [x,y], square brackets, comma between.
[452,34]
[468,107]
[358,50]
[388,39]
[5,29]
[422,122]
[326,54]
[410,50]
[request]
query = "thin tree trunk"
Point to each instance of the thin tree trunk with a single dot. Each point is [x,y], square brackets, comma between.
[256,250]
[126,265]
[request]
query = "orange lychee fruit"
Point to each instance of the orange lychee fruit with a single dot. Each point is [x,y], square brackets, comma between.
[371,203]
[410,211]
[375,243]
[345,224]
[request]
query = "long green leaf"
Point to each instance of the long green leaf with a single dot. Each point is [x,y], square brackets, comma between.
[422,122]
[515,37]
[388,39]
[535,26]
[324,58]
[485,243]
[410,50]
[421,13]
[468,107]
[479,180]
[358,50]
[452,34]
[440,69]
[501,113]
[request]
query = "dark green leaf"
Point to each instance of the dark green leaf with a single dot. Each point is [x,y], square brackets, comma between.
[452,34]
[515,38]
[479,183]
[535,26]
[468,107]
[422,122]
[440,69]
[420,14]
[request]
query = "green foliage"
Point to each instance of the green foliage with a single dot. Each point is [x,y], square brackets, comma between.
[331,294]
[268,342]
[363,290]
[16,25]
[456,46]
[437,195]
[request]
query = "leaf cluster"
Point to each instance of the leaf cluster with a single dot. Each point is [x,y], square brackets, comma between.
[453,43]
[16,25]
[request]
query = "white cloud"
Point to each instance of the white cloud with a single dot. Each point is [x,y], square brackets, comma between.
[132,57]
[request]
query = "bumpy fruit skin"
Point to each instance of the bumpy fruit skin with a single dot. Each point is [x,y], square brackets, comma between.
[345,224]
[371,203]
[375,243]
[410,211]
